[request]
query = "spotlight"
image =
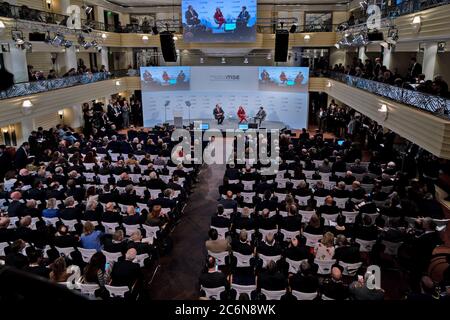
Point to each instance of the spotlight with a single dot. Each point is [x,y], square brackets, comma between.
[27,104]
[223,60]
[307,37]
[67,44]
[58,40]
[17,36]
[246,60]
[293,28]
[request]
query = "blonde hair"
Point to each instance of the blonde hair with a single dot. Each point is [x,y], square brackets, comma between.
[88,228]
[328,239]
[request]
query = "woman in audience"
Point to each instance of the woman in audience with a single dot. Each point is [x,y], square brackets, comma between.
[90,158]
[91,238]
[58,271]
[97,271]
[325,248]
[155,218]
[52,210]
[314,226]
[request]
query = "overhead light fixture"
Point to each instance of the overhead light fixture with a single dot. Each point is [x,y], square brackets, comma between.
[416,24]
[307,37]
[61,114]
[27,104]
[329,84]
[104,36]
[383,108]
[246,60]
[117,83]
[145,38]
[49,4]
[223,60]
[417,20]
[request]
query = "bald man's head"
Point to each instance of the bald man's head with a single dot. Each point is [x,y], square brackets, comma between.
[16,195]
[131,254]
[336,274]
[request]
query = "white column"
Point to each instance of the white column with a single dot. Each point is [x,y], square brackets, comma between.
[67,60]
[429,60]
[76,116]
[16,62]
[387,58]
[104,60]
[99,14]
[27,125]
[362,53]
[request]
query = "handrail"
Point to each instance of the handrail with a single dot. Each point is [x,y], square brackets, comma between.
[29,88]
[435,105]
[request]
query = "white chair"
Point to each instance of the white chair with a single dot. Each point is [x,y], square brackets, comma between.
[312,239]
[140,259]
[350,269]
[135,177]
[110,227]
[294,265]
[304,295]
[320,200]
[308,174]
[289,235]
[227,212]
[220,257]
[103,178]
[142,206]
[325,176]
[140,191]
[280,196]
[391,248]
[340,202]
[117,291]
[340,174]
[248,196]
[330,217]
[324,266]
[150,232]
[112,256]
[324,297]
[365,245]
[273,295]
[86,254]
[154,193]
[373,216]
[265,232]
[213,293]
[220,232]
[242,260]
[130,228]
[248,185]
[367,187]
[380,203]
[70,224]
[283,213]
[89,166]
[65,251]
[89,176]
[329,185]
[267,259]
[306,215]
[114,156]
[302,201]
[441,224]
[3,246]
[242,289]
[50,221]
[350,216]
[87,288]
[233,181]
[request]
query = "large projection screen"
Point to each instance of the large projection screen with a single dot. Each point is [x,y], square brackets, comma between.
[192,92]
[219,20]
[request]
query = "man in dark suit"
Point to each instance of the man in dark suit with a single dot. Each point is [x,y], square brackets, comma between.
[191,16]
[219,221]
[241,245]
[21,159]
[213,278]
[70,211]
[15,207]
[244,221]
[6,235]
[266,223]
[415,69]
[293,221]
[243,17]
[126,272]
[345,252]
[360,290]
[334,288]
[229,203]
[232,173]
[304,280]
[63,239]
[14,257]
[34,263]
[219,114]
[117,243]
[271,278]
[269,247]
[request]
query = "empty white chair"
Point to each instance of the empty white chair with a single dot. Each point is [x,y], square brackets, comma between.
[340,202]
[86,254]
[103,178]
[350,216]
[373,216]
[289,235]
[117,291]
[242,260]
[391,248]
[283,213]
[220,257]
[88,166]
[294,265]
[89,176]
[87,288]
[112,256]
[248,185]
[135,177]
[308,173]
[114,156]
[312,239]
[154,193]
[273,295]
[365,245]
[320,200]
[267,259]
[367,187]
[304,295]
[324,297]
[324,266]
[150,232]
[350,269]
[248,196]
[213,293]
[243,289]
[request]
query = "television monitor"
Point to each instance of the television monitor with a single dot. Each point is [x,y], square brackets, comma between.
[243,126]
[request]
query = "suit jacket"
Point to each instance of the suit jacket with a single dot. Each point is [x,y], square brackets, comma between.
[242,248]
[347,254]
[267,250]
[366,294]
[220,222]
[335,290]
[21,159]
[213,279]
[16,209]
[70,213]
[274,281]
[125,273]
[299,282]
[216,112]
[65,241]
[291,223]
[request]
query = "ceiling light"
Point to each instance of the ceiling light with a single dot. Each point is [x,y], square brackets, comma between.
[27,104]
[246,60]
[416,20]
[223,60]
[145,38]
[307,37]
[329,84]
[104,36]
[383,108]
[117,83]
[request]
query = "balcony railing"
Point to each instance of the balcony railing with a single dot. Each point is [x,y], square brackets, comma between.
[436,105]
[29,88]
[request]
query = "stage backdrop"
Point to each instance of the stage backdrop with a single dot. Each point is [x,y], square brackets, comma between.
[192,92]
[219,20]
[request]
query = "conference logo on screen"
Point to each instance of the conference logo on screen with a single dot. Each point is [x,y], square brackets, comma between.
[229,77]
[236,147]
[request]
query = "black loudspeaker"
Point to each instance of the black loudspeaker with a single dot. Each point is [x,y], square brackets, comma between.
[281,45]
[253,126]
[37,36]
[168,46]
[375,36]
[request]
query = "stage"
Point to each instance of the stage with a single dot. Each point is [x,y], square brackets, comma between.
[232,124]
